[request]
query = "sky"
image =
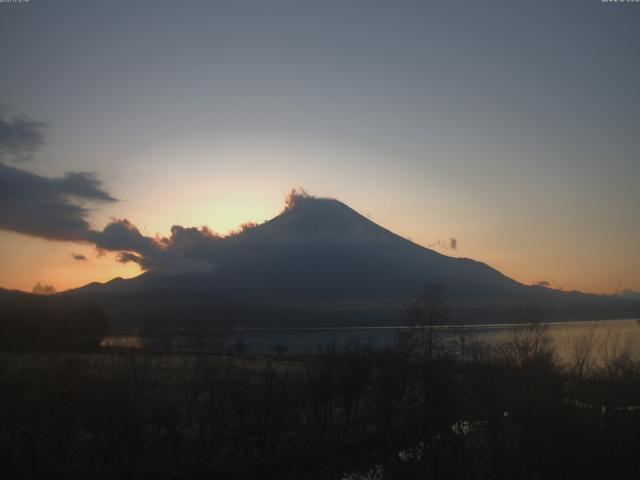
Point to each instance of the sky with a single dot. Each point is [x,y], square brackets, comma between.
[511,126]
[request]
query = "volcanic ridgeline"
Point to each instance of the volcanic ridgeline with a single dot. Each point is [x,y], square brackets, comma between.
[322,263]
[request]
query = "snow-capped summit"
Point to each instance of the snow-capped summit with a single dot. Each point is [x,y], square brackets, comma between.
[307,218]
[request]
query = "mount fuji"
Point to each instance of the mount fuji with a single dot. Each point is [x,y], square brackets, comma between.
[320,258]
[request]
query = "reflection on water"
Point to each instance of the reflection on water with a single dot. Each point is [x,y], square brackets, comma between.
[604,338]
[130,342]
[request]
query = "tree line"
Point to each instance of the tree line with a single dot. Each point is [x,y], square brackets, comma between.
[45,323]
[436,405]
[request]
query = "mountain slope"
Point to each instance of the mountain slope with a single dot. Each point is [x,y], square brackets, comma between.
[319,262]
[321,249]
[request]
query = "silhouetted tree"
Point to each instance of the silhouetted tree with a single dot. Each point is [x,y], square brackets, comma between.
[425,315]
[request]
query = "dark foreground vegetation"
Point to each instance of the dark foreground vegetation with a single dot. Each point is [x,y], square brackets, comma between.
[435,406]
[506,413]
[50,323]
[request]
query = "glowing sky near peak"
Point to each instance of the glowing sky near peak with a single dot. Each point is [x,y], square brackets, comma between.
[511,126]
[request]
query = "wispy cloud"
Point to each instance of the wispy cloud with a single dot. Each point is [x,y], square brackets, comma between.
[451,244]
[20,136]
[53,208]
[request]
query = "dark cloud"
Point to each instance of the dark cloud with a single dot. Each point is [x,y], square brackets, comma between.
[183,239]
[126,257]
[55,208]
[122,235]
[50,208]
[542,283]
[162,255]
[31,204]
[82,185]
[20,136]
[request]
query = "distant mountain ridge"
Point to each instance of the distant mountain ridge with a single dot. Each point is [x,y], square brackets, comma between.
[319,251]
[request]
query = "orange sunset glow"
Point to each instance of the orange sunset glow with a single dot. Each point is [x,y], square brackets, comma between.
[330,240]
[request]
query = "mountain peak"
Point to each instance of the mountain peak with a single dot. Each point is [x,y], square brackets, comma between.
[320,248]
[298,199]
[309,216]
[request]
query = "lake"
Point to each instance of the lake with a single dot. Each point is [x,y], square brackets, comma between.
[606,336]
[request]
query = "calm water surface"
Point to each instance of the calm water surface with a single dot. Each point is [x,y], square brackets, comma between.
[606,337]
